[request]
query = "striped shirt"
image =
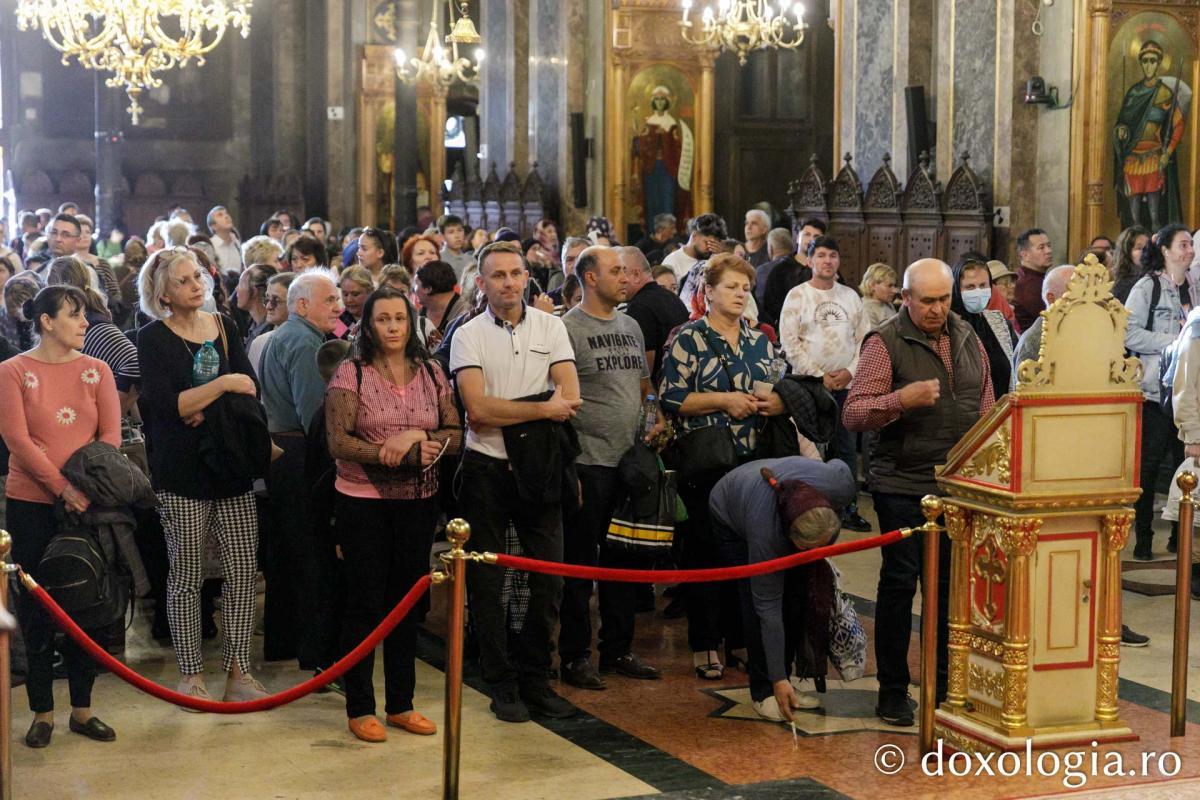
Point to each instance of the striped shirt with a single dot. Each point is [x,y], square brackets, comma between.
[105,341]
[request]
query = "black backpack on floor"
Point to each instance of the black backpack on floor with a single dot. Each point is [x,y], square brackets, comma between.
[76,573]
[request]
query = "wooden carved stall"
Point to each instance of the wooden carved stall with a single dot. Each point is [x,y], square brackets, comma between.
[966,214]
[881,212]
[921,211]
[509,202]
[895,224]
[846,221]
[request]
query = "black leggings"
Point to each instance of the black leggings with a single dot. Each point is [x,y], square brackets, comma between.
[32,526]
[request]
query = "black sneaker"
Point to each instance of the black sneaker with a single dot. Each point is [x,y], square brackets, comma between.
[507,705]
[581,674]
[852,521]
[543,700]
[1130,638]
[897,710]
[630,666]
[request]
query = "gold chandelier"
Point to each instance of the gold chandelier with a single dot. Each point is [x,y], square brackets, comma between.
[740,26]
[134,39]
[438,66]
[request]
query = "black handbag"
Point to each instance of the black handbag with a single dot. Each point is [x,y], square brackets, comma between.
[706,452]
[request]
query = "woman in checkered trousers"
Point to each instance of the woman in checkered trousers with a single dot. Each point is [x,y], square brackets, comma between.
[192,498]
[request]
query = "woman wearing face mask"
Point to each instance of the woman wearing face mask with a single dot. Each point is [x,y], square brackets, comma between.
[971,294]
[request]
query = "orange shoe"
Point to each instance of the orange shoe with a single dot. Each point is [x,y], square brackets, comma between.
[368,729]
[413,723]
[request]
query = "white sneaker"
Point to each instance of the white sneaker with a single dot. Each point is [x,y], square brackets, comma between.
[196,690]
[769,709]
[244,688]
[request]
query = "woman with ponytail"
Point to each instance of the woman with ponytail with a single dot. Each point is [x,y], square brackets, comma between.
[1157,305]
[55,400]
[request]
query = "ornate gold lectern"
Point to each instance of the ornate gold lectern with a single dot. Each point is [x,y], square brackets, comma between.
[1038,509]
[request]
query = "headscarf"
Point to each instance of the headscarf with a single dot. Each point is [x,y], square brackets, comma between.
[998,356]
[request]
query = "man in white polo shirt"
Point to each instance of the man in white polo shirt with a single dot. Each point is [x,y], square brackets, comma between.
[511,351]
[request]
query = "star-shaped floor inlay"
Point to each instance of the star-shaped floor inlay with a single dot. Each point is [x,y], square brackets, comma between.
[846,707]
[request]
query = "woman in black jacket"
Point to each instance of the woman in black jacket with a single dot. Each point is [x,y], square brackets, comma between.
[193,497]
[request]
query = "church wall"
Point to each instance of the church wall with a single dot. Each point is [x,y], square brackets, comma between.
[874,70]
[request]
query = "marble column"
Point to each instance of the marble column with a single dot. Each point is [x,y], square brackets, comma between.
[288,78]
[971,90]
[339,141]
[874,73]
[496,89]
[548,106]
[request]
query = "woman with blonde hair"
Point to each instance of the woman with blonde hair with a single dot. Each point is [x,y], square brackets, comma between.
[878,289]
[356,283]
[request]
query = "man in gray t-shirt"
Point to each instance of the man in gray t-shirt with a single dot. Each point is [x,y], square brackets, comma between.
[610,358]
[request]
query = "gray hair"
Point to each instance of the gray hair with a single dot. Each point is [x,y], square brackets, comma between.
[155,279]
[760,215]
[665,221]
[573,241]
[176,232]
[1056,282]
[780,242]
[302,287]
[633,259]
[261,250]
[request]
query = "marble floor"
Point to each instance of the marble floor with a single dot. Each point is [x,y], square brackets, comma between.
[675,738]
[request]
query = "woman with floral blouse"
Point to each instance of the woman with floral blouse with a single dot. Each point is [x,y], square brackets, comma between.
[708,379]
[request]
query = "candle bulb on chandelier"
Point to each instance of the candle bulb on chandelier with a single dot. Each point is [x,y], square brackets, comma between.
[687,7]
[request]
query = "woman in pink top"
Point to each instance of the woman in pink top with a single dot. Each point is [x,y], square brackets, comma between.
[390,417]
[55,401]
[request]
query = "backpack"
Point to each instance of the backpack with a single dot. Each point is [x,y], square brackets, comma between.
[76,573]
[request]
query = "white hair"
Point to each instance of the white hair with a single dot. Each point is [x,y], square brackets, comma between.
[780,242]
[1056,283]
[302,287]
[633,259]
[760,215]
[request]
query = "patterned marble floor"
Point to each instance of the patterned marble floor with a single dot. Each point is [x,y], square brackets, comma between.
[675,738]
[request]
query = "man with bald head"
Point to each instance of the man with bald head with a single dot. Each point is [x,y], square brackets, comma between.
[656,310]
[923,380]
[1030,343]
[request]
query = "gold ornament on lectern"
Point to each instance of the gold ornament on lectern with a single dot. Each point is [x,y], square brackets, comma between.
[134,39]
[1036,525]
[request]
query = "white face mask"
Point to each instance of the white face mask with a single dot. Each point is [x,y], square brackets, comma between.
[976,300]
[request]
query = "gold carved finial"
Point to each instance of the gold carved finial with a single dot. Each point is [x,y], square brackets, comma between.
[931,507]
[6,543]
[1083,340]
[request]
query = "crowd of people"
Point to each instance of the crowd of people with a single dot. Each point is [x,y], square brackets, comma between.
[404,379]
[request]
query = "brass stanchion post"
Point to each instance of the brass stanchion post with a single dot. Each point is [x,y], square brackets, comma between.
[7,623]
[458,532]
[1183,609]
[931,507]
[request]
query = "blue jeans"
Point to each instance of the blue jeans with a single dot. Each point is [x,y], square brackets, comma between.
[844,445]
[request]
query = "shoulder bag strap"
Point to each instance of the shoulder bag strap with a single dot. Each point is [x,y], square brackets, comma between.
[224,342]
[1155,296]
[720,355]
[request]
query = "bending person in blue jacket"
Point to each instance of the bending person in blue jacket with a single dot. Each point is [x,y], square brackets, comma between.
[768,509]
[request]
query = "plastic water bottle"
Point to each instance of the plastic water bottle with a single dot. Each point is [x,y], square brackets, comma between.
[206,365]
[649,414]
[778,369]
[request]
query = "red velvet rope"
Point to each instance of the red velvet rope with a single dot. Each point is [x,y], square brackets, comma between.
[695,575]
[262,704]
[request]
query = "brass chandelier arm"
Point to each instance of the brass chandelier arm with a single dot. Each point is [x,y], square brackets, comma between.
[132,39]
[742,26]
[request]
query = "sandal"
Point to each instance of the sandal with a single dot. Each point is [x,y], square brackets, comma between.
[710,671]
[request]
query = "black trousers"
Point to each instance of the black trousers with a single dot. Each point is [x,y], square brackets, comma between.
[583,539]
[385,546]
[713,609]
[898,577]
[489,499]
[32,526]
[299,614]
[1161,449]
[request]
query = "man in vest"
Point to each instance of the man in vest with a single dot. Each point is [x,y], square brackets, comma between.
[923,380]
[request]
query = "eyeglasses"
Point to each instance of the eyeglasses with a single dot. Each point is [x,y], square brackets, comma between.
[272,301]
